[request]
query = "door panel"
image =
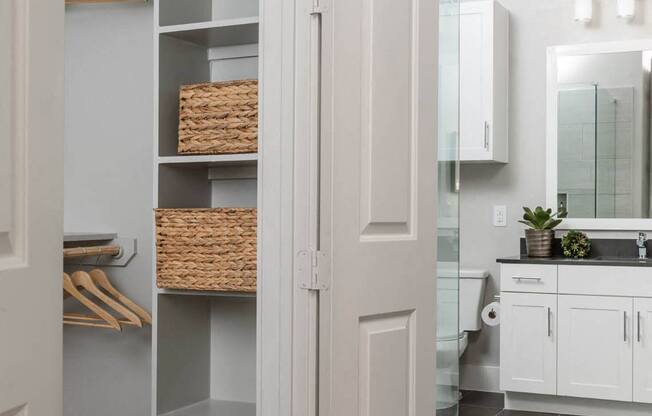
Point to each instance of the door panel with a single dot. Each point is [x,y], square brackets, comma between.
[31,202]
[377,216]
[595,347]
[528,343]
[643,350]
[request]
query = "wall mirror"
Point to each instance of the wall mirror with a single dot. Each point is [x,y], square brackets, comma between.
[598,134]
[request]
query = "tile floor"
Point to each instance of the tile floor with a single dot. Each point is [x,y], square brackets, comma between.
[477,403]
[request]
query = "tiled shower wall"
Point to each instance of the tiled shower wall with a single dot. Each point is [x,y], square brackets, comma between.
[614,117]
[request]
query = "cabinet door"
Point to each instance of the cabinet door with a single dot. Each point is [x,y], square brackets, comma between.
[643,350]
[475,80]
[595,347]
[528,339]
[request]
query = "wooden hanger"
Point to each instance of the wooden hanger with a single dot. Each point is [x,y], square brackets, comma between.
[100,278]
[84,280]
[85,320]
[69,287]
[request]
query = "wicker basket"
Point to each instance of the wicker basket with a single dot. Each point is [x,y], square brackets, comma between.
[206,249]
[219,118]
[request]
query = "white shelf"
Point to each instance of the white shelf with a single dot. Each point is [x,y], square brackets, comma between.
[70,237]
[246,159]
[216,408]
[227,32]
[183,292]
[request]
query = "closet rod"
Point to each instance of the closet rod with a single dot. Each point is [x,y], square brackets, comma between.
[69,253]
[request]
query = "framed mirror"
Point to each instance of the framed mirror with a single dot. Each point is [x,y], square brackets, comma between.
[599,134]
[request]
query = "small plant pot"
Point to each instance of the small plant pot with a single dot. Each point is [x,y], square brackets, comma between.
[539,242]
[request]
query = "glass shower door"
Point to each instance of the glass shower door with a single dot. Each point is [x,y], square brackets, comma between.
[448,212]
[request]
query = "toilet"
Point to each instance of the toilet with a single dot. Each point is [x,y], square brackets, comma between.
[463,295]
[472,284]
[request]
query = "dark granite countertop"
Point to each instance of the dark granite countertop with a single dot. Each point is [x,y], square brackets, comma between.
[591,261]
[604,252]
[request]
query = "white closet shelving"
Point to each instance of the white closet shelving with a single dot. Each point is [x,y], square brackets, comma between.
[204,348]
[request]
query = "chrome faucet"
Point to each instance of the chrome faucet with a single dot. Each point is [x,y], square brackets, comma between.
[642,248]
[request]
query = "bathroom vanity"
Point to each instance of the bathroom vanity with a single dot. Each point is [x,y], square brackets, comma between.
[579,329]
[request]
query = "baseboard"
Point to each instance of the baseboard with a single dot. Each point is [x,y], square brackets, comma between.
[573,406]
[480,378]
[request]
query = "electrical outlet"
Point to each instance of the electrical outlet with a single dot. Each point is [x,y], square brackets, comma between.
[500,216]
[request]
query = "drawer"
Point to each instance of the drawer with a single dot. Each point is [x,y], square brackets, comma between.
[535,278]
[606,281]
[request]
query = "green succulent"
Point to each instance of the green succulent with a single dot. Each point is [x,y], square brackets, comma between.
[542,219]
[575,244]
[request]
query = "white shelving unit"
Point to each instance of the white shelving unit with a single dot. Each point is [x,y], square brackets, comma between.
[204,348]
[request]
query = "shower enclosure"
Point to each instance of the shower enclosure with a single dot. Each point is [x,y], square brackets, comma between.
[595,152]
[448,211]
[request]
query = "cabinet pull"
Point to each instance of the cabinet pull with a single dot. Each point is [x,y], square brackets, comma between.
[638,326]
[533,279]
[486,135]
[625,326]
[549,323]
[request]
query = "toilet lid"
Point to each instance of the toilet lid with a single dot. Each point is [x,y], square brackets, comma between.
[452,338]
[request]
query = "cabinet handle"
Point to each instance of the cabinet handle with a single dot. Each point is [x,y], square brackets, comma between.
[625,326]
[638,326]
[534,279]
[486,135]
[549,322]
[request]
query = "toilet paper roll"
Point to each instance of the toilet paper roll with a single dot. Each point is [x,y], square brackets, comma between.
[491,314]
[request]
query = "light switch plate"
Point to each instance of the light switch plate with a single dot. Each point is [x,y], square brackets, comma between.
[500,216]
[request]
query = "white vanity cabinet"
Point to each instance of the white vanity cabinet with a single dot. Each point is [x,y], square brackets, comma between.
[484,81]
[595,347]
[643,350]
[528,346]
[580,331]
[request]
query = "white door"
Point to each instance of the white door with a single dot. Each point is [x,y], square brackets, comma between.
[378,211]
[595,347]
[528,343]
[31,202]
[475,80]
[643,350]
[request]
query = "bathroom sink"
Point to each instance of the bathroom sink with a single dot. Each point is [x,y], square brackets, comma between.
[621,259]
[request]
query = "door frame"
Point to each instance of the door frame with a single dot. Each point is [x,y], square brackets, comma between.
[285,326]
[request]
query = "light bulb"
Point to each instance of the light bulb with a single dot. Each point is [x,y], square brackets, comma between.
[583,11]
[626,9]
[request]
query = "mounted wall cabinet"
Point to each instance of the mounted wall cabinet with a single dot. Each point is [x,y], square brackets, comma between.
[484,82]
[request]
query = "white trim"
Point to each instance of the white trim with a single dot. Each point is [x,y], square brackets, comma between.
[551,133]
[480,378]
[276,370]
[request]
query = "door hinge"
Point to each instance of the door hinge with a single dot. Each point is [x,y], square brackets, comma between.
[317,11]
[312,269]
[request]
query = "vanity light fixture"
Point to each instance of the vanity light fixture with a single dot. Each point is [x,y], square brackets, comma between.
[584,11]
[626,8]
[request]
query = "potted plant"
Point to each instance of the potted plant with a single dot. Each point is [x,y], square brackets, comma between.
[576,244]
[540,235]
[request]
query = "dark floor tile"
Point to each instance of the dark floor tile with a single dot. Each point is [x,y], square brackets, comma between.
[450,411]
[483,399]
[521,413]
[466,410]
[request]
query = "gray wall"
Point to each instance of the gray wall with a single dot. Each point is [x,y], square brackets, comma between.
[535,25]
[108,187]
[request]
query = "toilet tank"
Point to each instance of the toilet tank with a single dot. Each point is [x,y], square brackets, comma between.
[472,287]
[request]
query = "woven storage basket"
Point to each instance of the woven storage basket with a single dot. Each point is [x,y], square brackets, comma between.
[219,118]
[206,249]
